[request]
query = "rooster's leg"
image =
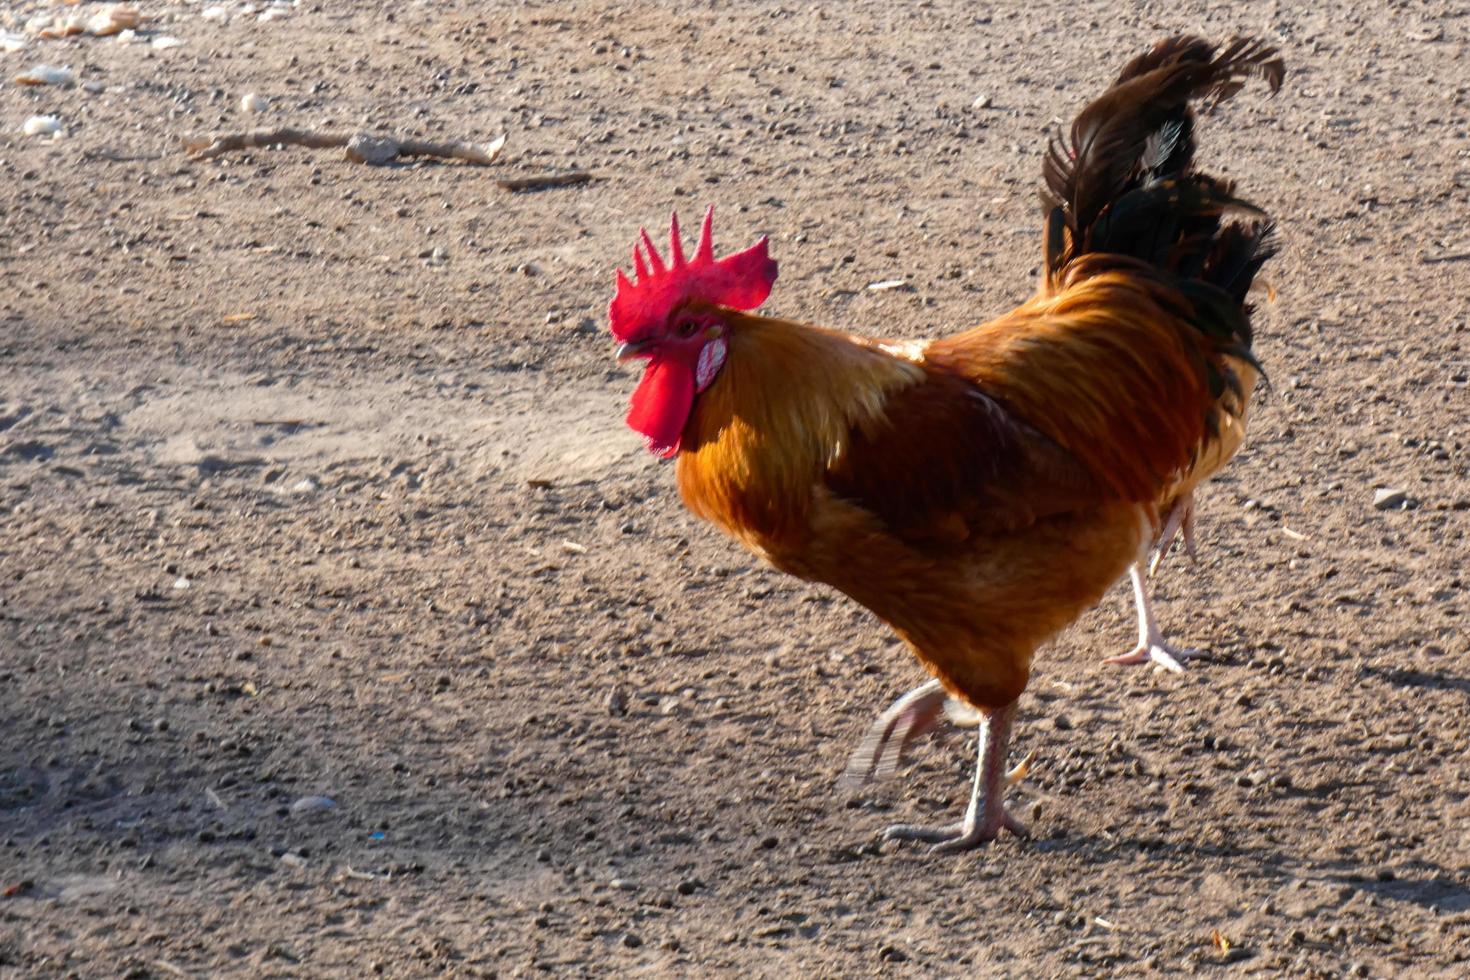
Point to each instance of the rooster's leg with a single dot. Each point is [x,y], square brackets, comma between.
[893,732]
[1179,521]
[986,816]
[1152,647]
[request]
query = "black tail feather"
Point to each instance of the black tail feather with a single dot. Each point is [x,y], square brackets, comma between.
[1124,184]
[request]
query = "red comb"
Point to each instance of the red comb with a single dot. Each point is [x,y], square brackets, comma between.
[741,281]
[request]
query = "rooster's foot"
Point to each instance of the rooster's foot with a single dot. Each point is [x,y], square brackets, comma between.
[986,815]
[962,836]
[1159,653]
[1152,647]
[893,732]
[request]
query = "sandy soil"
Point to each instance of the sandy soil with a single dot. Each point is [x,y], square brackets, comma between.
[294,506]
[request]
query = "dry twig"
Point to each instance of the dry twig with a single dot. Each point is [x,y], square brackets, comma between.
[539,181]
[218,144]
[361,147]
[377,150]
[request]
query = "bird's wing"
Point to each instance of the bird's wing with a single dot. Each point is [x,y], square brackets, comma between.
[944,462]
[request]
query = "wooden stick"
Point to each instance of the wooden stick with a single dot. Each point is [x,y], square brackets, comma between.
[481,154]
[535,183]
[217,144]
[377,150]
[361,147]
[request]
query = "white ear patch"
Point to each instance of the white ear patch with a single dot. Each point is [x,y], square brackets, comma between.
[711,359]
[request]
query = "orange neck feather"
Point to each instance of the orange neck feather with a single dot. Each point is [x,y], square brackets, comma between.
[781,409]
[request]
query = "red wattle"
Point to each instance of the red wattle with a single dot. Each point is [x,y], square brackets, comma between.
[661,404]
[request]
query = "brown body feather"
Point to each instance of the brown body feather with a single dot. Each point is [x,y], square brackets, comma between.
[974,533]
[980,493]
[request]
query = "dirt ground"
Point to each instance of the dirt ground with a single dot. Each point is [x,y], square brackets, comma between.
[313,483]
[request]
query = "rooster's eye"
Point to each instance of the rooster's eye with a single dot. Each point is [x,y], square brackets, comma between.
[688,328]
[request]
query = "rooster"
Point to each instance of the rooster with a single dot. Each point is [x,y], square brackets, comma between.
[980,491]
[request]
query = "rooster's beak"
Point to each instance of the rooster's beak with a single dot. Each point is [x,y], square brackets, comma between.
[635,350]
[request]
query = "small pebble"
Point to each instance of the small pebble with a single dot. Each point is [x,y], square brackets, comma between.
[250,102]
[312,804]
[1389,499]
[41,126]
[47,75]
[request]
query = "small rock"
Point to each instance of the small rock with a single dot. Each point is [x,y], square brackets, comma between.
[892,954]
[632,941]
[41,126]
[617,702]
[307,485]
[1062,723]
[689,886]
[250,102]
[47,75]
[312,804]
[372,150]
[1388,499]
[982,102]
